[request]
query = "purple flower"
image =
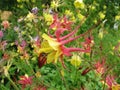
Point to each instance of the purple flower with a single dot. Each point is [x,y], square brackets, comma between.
[34,10]
[1,34]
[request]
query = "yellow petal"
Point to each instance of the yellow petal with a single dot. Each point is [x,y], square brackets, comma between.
[58,53]
[50,57]
[52,42]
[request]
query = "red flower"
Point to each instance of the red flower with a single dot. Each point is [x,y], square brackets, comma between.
[110,81]
[25,80]
[99,67]
[60,23]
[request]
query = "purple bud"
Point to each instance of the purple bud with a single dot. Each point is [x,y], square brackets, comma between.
[34,10]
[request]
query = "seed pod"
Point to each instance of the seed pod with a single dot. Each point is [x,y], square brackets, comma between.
[86,71]
[42,59]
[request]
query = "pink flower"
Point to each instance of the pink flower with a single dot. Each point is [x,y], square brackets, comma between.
[25,80]
[5,24]
[1,34]
[60,23]
[100,67]
[110,81]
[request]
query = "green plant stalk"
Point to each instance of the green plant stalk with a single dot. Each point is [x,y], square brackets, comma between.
[13,84]
[27,62]
[62,77]
[76,74]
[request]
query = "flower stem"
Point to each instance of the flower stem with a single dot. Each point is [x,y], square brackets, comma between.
[13,84]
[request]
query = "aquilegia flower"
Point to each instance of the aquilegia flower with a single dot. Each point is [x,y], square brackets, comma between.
[25,80]
[111,83]
[100,67]
[34,10]
[55,47]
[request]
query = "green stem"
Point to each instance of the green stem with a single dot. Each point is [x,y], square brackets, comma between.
[27,62]
[13,84]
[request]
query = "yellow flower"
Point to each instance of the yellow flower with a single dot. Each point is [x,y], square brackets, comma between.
[68,13]
[76,60]
[51,47]
[48,18]
[117,17]
[79,4]
[102,15]
[116,87]
[38,74]
[30,17]
[55,4]
[80,16]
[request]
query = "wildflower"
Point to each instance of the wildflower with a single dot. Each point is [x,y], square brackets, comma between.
[54,47]
[102,15]
[80,16]
[79,4]
[117,17]
[6,68]
[5,24]
[68,13]
[75,60]
[48,18]
[99,67]
[1,34]
[25,80]
[63,23]
[55,4]
[30,17]
[2,45]
[89,42]
[111,83]
[34,10]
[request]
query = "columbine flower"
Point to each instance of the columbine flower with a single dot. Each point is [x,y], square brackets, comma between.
[60,23]
[111,83]
[75,60]
[34,10]
[55,4]
[100,67]
[55,46]
[30,17]
[79,4]
[102,15]
[25,80]
[5,24]
[1,34]
[117,17]
[48,18]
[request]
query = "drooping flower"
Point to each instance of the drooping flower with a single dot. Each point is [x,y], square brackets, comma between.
[55,46]
[25,80]
[5,24]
